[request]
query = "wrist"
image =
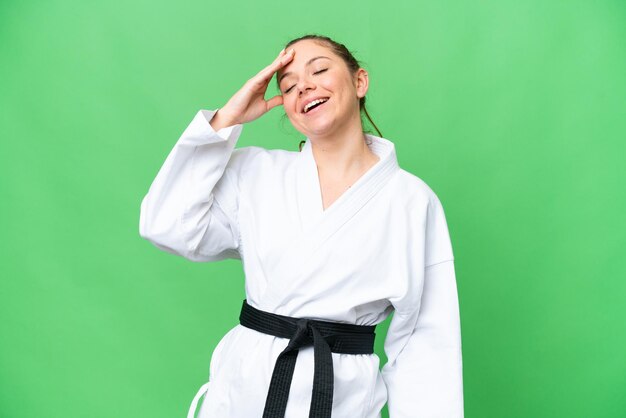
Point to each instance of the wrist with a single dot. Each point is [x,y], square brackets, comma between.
[221,120]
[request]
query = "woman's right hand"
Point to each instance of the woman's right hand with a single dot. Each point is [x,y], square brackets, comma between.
[249,102]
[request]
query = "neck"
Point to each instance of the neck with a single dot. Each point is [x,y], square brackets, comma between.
[343,151]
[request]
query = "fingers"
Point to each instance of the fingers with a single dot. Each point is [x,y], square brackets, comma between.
[283,59]
[274,101]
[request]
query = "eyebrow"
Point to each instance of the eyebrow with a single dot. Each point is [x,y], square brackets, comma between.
[307,63]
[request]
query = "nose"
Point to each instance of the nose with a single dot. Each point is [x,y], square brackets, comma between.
[304,86]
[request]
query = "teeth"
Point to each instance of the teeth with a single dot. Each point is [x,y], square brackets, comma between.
[314,102]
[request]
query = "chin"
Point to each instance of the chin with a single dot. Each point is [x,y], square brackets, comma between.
[320,127]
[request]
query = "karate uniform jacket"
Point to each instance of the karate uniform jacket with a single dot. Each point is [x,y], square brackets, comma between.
[382,246]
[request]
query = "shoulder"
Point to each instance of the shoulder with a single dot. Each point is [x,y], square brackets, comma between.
[414,190]
[427,208]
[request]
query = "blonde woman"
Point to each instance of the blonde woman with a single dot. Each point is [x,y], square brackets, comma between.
[333,238]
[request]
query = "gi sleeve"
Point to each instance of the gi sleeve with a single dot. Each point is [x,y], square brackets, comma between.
[191,207]
[423,373]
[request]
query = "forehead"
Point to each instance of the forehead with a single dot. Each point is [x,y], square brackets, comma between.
[304,51]
[309,45]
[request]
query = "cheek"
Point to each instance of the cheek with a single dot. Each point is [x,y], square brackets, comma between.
[290,110]
[338,87]
[331,84]
[289,105]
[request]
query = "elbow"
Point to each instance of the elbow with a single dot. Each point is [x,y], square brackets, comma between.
[146,224]
[198,236]
[156,234]
[159,230]
[167,234]
[164,238]
[145,232]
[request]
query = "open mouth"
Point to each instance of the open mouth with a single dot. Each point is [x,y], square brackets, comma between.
[314,108]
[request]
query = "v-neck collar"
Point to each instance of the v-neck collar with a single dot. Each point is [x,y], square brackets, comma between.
[318,225]
[311,207]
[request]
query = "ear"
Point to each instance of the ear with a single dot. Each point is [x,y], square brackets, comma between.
[361,82]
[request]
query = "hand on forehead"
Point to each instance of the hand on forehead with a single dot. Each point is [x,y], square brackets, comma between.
[303,52]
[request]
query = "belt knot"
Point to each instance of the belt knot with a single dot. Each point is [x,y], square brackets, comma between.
[326,338]
[302,336]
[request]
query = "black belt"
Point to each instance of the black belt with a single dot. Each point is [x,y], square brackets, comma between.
[326,337]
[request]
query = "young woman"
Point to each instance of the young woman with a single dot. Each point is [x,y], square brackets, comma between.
[332,238]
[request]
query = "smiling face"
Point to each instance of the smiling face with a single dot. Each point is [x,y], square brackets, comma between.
[316,72]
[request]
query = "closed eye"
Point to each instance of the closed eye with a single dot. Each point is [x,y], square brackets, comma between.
[317,72]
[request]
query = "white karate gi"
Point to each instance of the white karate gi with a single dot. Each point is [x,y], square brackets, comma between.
[382,245]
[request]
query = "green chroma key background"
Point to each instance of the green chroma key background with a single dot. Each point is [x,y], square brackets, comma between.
[514,112]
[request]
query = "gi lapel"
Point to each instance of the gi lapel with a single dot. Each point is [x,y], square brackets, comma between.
[317,225]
